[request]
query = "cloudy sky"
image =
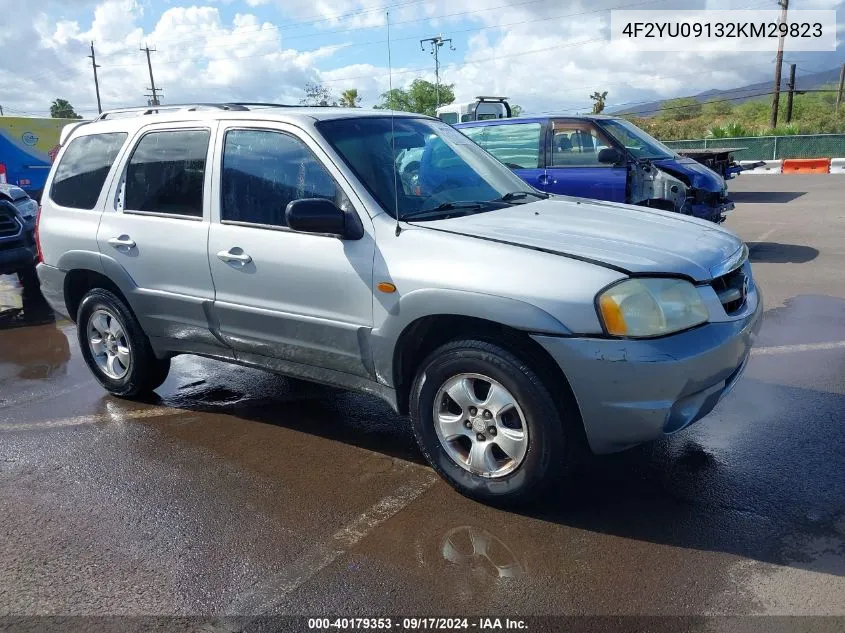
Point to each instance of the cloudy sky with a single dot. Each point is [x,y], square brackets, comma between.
[547,55]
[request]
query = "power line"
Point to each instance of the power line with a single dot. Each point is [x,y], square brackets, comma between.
[378,42]
[293,25]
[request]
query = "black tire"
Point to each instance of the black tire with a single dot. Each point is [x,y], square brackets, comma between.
[551,442]
[146,372]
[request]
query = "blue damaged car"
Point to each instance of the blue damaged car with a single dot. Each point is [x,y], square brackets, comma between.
[604,158]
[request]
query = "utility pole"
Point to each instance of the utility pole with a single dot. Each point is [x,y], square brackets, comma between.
[95,65]
[789,95]
[773,120]
[152,88]
[841,93]
[436,43]
[1,111]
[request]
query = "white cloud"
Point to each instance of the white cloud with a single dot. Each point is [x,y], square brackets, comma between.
[544,54]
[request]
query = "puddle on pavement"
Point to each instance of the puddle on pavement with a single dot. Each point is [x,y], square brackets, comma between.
[32,347]
[804,319]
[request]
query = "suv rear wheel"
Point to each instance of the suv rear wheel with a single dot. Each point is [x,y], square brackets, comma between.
[115,347]
[486,422]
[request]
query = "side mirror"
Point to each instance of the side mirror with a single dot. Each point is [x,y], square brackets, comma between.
[318,215]
[611,156]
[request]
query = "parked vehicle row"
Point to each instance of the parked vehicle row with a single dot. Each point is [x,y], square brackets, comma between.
[393,255]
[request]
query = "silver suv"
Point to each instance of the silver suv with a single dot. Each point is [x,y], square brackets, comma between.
[514,328]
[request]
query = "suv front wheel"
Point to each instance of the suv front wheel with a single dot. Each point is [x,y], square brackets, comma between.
[115,347]
[486,422]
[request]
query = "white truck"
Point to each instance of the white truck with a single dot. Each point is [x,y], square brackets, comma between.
[479,110]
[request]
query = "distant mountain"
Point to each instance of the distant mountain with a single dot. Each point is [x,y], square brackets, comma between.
[745,93]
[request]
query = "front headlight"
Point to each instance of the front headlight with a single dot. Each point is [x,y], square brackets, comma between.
[647,307]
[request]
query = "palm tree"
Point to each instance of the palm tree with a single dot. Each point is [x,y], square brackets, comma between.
[349,98]
[61,109]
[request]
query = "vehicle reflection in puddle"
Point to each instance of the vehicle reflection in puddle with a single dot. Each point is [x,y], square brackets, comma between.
[31,345]
[480,551]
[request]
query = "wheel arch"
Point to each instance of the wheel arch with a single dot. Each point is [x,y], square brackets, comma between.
[426,333]
[86,270]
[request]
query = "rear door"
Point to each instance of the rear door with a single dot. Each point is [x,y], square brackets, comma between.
[155,227]
[573,167]
[518,145]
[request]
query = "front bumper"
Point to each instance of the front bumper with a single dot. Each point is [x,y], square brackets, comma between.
[635,391]
[16,256]
[710,211]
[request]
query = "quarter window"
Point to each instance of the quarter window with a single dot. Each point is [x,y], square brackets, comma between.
[264,170]
[516,145]
[576,144]
[166,173]
[83,169]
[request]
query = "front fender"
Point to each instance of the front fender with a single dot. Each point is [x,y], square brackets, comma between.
[418,304]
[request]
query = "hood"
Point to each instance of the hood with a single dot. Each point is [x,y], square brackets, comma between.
[692,173]
[628,238]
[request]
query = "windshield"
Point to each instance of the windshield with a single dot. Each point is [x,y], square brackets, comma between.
[437,169]
[637,142]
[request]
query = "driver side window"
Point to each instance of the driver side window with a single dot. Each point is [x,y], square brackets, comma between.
[576,144]
[263,171]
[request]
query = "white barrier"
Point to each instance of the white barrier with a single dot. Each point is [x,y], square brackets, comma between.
[770,167]
[837,165]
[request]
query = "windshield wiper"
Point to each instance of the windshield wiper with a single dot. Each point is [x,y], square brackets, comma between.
[520,195]
[446,206]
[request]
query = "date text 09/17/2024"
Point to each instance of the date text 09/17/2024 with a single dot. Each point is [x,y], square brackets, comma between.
[417,624]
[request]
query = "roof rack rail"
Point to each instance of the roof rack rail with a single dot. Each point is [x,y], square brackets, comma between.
[144,110]
[261,104]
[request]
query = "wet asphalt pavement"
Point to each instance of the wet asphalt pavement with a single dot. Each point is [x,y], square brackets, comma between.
[240,492]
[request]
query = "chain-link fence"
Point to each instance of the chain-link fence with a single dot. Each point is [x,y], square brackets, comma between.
[772,147]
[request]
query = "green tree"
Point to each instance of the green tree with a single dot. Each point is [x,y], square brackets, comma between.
[598,101]
[350,99]
[318,95]
[681,109]
[516,110]
[419,97]
[61,109]
[719,108]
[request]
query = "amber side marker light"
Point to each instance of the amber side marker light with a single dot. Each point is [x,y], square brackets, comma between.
[385,286]
[612,315]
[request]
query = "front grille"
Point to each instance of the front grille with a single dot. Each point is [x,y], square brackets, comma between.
[10,245]
[731,290]
[9,225]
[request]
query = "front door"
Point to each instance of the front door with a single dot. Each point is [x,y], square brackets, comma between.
[573,167]
[155,227]
[296,297]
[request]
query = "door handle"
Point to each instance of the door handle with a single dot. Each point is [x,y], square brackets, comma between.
[122,240]
[229,256]
[543,179]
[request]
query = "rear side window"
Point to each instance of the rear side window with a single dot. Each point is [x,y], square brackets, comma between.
[83,169]
[166,173]
[264,170]
[516,145]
